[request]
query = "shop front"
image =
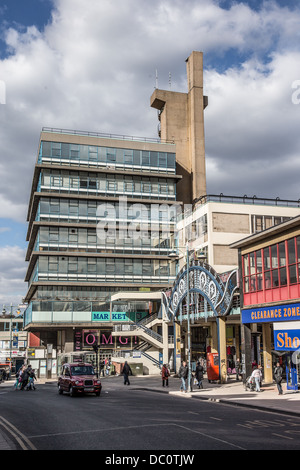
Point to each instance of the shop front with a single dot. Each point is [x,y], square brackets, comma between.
[287,340]
[269,269]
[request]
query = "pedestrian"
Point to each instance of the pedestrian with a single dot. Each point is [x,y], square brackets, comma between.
[199,374]
[102,365]
[126,371]
[278,371]
[165,373]
[32,378]
[107,367]
[183,375]
[238,369]
[25,377]
[257,375]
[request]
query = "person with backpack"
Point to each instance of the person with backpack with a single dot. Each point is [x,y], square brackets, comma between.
[165,373]
[126,371]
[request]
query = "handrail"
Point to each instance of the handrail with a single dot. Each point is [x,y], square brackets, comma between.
[106,135]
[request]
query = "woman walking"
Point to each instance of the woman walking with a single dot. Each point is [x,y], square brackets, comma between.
[165,375]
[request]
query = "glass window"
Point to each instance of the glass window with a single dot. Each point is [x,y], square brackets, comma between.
[145,158]
[128,156]
[74,151]
[110,155]
[267,263]
[291,251]
[46,149]
[281,250]
[274,256]
[171,160]
[154,159]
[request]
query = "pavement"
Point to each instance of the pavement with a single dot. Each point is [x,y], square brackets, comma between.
[231,393]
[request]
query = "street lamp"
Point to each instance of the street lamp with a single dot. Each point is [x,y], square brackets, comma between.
[187,310]
[10,331]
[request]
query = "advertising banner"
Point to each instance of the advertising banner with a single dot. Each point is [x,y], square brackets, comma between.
[275,313]
[287,336]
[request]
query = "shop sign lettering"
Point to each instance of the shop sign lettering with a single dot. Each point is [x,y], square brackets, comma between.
[106,316]
[272,314]
[286,340]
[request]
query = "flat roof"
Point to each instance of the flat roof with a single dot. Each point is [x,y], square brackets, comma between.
[267,233]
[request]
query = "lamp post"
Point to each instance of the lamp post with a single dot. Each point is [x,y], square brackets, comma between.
[10,332]
[187,311]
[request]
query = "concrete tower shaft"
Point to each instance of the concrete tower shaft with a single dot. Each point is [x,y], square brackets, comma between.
[181,118]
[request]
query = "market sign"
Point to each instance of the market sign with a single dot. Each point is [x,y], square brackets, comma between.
[276,313]
[287,336]
[107,316]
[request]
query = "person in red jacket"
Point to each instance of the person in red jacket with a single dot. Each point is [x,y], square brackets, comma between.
[165,375]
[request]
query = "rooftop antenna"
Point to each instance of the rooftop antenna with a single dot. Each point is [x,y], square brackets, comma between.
[156,79]
[170,80]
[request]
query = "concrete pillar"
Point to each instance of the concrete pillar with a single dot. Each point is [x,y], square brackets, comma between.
[222,348]
[214,337]
[237,342]
[246,350]
[267,354]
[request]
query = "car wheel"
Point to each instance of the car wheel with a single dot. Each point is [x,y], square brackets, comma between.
[72,392]
[60,391]
[98,394]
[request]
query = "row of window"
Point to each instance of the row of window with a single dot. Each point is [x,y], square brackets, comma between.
[85,211]
[103,184]
[98,293]
[155,161]
[262,222]
[91,269]
[274,266]
[79,239]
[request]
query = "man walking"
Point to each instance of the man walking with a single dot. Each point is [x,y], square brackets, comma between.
[126,371]
[183,375]
[278,371]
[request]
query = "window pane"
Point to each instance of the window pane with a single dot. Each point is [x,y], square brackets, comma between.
[293,274]
[283,277]
[274,256]
[282,260]
[275,282]
[267,264]
[268,280]
[291,251]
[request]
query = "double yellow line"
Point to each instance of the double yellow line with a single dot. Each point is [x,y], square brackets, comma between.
[15,434]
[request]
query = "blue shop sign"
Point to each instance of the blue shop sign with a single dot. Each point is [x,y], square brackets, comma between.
[286,340]
[276,313]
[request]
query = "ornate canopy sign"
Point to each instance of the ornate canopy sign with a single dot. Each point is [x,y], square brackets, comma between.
[204,282]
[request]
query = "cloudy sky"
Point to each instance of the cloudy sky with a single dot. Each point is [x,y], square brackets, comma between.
[91,66]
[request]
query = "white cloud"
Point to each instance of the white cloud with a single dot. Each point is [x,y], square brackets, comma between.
[93,68]
[12,275]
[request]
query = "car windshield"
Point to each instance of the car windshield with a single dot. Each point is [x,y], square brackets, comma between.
[82,370]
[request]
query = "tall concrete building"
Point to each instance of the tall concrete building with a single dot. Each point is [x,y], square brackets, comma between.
[181,118]
[80,249]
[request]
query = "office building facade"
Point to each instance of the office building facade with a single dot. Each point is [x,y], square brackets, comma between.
[101,219]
